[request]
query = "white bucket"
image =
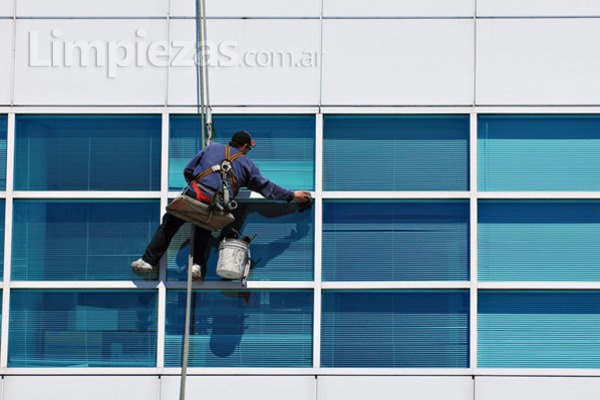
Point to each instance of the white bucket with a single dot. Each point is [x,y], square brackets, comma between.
[234,259]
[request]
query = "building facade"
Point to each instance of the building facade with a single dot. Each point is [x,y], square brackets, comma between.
[451,148]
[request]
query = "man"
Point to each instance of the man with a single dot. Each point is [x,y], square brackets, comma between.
[204,185]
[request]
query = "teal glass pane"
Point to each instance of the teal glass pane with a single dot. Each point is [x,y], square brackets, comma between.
[87,152]
[395,152]
[259,328]
[539,240]
[538,329]
[283,249]
[74,328]
[285,151]
[80,239]
[2,217]
[395,240]
[3,129]
[395,329]
[539,152]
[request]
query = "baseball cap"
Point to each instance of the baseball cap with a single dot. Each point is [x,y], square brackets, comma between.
[242,138]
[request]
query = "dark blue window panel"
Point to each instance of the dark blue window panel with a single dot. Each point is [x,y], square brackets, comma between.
[259,328]
[3,129]
[2,217]
[87,152]
[395,152]
[539,152]
[395,329]
[80,239]
[285,151]
[74,328]
[539,240]
[395,240]
[538,329]
[283,249]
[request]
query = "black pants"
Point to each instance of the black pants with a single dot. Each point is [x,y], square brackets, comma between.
[164,234]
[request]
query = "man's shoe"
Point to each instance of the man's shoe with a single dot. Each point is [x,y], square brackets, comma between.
[197,273]
[143,269]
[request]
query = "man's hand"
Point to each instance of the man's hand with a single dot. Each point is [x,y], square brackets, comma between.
[302,196]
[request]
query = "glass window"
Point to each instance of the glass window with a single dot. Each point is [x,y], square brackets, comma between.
[538,329]
[539,240]
[87,152]
[283,249]
[395,329]
[285,151]
[80,239]
[2,217]
[259,328]
[539,152]
[3,129]
[395,240]
[395,152]
[71,328]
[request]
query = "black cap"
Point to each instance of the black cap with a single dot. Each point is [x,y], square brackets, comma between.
[241,138]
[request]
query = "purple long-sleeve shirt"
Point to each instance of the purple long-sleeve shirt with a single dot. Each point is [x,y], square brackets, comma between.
[246,173]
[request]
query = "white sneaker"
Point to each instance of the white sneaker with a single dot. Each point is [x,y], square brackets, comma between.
[197,273]
[142,269]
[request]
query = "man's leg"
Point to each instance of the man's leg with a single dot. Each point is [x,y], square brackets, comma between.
[202,238]
[162,239]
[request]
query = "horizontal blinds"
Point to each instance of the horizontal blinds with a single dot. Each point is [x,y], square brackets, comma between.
[395,240]
[285,151]
[283,249]
[2,221]
[87,152]
[80,239]
[378,153]
[69,328]
[539,329]
[3,129]
[263,328]
[539,240]
[539,152]
[395,329]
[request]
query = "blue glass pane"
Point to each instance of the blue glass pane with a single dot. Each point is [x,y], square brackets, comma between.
[2,217]
[87,152]
[3,129]
[70,328]
[262,328]
[392,152]
[80,239]
[395,329]
[539,329]
[395,240]
[539,152]
[283,249]
[285,151]
[539,240]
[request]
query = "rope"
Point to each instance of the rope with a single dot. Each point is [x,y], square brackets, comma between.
[202,108]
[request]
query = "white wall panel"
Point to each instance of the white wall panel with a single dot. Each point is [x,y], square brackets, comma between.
[81,387]
[253,62]
[127,72]
[398,62]
[245,8]
[92,8]
[394,387]
[241,387]
[538,8]
[538,61]
[406,8]
[6,8]
[537,388]
[6,36]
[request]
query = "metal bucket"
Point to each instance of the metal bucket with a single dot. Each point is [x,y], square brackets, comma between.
[234,259]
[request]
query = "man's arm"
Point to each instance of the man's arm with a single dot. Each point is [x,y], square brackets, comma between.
[258,183]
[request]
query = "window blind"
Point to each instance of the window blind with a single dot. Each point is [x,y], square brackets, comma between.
[80,239]
[395,152]
[73,328]
[545,240]
[539,152]
[539,329]
[3,131]
[395,329]
[87,152]
[259,328]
